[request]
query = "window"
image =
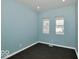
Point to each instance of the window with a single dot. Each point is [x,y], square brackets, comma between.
[59,25]
[46,26]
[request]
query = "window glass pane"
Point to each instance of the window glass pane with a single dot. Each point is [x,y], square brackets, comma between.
[46,26]
[59,25]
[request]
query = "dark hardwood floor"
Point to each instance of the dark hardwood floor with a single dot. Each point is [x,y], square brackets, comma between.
[42,51]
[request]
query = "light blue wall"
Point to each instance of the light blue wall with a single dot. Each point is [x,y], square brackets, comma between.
[76,23]
[69,37]
[19,26]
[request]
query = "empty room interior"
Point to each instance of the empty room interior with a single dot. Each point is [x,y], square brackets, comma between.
[39,29]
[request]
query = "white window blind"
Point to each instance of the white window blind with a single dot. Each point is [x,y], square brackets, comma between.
[46,26]
[59,25]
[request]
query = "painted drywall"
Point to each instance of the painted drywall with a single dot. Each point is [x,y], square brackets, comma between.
[69,37]
[76,24]
[19,26]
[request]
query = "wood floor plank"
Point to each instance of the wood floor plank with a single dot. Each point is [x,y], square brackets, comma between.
[42,51]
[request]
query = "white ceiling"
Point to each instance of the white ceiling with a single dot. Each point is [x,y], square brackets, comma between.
[46,4]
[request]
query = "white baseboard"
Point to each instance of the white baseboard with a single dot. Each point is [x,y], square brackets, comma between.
[60,46]
[42,43]
[19,51]
[57,45]
[76,52]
